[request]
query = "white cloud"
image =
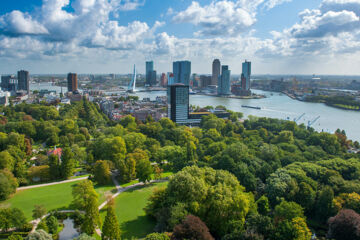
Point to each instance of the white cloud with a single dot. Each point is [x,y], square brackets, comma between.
[129,5]
[273,3]
[16,23]
[223,18]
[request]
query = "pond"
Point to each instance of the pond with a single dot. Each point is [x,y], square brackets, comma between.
[69,231]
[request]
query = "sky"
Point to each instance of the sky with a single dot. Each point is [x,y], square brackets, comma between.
[110,36]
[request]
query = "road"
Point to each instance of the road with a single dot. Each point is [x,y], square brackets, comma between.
[49,184]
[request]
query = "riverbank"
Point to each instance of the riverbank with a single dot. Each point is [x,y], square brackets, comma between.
[232,96]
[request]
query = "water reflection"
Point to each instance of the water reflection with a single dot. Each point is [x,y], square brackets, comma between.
[69,231]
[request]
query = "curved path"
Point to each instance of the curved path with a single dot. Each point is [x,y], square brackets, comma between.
[120,190]
[53,183]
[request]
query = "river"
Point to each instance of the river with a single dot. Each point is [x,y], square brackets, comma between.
[276,105]
[280,106]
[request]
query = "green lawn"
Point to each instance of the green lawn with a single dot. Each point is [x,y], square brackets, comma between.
[52,197]
[129,207]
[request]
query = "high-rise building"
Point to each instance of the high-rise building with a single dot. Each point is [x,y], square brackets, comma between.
[163,80]
[178,103]
[182,72]
[23,80]
[9,83]
[215,72]
[205,81]
[170,78]
[72,82]
[224,81]
[150,74]
[245,76]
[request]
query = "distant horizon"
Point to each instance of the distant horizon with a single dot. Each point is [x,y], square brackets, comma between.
[278,36]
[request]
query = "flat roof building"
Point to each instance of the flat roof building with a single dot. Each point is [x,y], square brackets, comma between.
[72,82]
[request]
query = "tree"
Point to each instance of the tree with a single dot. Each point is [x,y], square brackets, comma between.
[111,227]
[143,165]
[306,196]
[263,205]
[157,236]
[301,230]
[347,201]
[324,204]
[11,218]
[15,236]
[38,211]
[55,166]
[287,211]
[6,161]
[8,184]
[192,228]
[214,196]
[81,192]
[345,225]
[52,224]
[102,173]
[39,235]
[127,168]
[67,163]
[92,218]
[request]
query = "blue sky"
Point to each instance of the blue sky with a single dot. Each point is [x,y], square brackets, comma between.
[108,36]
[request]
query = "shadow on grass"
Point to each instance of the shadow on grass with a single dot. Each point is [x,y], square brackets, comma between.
[137,228]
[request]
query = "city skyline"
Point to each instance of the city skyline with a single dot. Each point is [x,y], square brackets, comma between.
[279,36]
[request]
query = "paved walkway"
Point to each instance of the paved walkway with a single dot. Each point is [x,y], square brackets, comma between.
[120,190]
[53,183]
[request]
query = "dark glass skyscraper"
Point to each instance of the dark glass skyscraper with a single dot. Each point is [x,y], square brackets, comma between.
[72,82]
[23,80]
[182,72]
[150,74]
[178,103]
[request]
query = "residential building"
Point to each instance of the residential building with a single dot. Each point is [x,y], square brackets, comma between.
[9,83]
[224,81]
[163,80]
[178,103]
[205,81]
[182,72]
[23,80]
[72,82]
[215,72]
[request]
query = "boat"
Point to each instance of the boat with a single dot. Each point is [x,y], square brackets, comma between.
[245,106]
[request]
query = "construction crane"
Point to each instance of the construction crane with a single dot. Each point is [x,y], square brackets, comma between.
[297,119]
[310,123]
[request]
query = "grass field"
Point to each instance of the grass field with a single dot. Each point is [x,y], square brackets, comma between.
[52,197]
[129,207]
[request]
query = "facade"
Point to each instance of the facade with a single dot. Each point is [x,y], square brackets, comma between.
[163,80]
[178,103]
[182,72]
[72,82]
[150,74]
[205,81]
[9,83]
[224,81]
[170,78]
[23,80]
[215,72]
[245,76]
